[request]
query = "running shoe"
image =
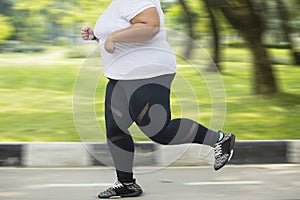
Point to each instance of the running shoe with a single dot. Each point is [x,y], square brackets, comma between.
[224,150]
[119,190]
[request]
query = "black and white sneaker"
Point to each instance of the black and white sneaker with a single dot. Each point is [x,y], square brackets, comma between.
[119,190]
[224,150]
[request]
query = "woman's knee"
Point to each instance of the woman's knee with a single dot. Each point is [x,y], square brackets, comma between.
[160,139]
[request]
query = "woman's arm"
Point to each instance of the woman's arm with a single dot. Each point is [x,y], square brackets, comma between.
[144,27]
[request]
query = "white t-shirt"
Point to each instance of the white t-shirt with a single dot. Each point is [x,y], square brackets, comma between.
[133,61]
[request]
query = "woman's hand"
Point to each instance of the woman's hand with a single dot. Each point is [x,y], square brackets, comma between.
[109,45]
[87,33]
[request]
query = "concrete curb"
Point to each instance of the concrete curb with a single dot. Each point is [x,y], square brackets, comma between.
[60,154]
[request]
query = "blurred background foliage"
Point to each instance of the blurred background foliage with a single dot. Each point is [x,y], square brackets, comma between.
[51,21]
[254,43]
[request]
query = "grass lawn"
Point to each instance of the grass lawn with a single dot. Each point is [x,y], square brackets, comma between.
[37,93]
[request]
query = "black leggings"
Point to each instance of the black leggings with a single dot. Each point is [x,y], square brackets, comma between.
[147,103]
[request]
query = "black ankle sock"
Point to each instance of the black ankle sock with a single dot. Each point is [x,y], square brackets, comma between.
[125,177]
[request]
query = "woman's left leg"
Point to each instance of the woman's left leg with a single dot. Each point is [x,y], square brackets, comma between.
[149,107]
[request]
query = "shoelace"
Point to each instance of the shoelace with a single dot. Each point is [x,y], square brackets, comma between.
[117,185]
[112,190]
[218,150]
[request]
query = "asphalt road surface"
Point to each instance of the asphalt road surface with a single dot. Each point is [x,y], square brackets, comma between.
[240,182]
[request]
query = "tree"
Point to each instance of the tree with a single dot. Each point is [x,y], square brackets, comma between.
[189,15]
[48,20]
[287,29]
[6,7]
[6,25]
[189,18]
[216,36]
[248,19]
[6,28]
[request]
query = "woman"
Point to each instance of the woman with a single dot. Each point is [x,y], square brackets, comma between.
[140,66]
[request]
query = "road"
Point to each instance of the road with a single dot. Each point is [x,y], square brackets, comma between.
[240,182]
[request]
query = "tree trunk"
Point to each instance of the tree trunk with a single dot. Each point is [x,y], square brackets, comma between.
[264,80]
[190,25]
[250,23]
[216,37]
[297,57]
[287,29]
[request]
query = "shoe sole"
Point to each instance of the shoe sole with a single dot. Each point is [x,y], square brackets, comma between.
[232,142]
[134,194]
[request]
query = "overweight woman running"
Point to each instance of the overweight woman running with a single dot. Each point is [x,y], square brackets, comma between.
[140,66]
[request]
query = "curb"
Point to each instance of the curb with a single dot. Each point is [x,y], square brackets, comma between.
[72,154]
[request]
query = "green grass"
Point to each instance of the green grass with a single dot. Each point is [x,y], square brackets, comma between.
[264,117]
[37,92]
